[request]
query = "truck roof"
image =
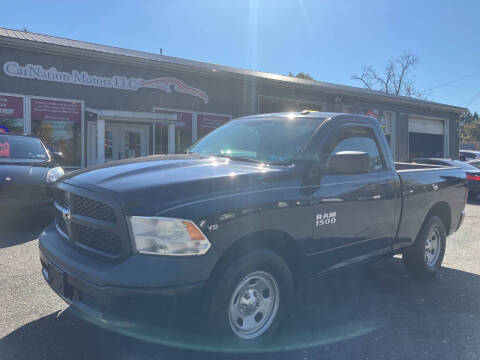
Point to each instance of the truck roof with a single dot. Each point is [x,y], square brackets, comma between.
[304,113]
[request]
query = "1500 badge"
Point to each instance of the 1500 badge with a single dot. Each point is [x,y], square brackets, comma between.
[326,218]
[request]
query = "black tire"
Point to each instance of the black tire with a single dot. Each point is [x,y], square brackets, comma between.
[415,257]
[255,261]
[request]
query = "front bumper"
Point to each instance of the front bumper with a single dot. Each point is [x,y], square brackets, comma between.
[131,290]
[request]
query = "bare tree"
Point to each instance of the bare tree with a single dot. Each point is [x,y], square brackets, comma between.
[396,78]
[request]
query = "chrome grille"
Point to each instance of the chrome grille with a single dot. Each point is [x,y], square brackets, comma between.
[60,221]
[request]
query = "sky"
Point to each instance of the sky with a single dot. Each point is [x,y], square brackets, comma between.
[328,39]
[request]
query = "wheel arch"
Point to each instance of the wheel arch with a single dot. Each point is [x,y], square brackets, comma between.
[443,211]
[277,241]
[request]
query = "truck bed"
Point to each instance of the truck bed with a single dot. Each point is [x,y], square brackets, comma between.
[401,167]
[424,186]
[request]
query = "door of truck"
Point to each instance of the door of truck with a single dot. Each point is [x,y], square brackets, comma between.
[354,215]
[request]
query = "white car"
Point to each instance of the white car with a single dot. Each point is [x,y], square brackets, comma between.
[466,155]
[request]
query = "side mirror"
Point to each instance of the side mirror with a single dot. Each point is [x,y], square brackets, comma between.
[57,156]
[348,162]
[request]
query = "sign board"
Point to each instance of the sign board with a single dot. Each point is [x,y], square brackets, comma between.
[207,122]
[11,107]
[79,77]
[58,110]
[184,121]
[4,149]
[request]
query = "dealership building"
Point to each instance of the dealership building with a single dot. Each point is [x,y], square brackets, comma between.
[98,103]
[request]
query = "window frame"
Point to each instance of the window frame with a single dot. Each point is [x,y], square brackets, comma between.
[373,134]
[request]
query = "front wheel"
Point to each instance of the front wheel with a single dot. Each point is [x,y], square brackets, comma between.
[251,297]
[424,258]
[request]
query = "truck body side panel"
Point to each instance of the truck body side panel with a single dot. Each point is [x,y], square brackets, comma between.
[284,207]
[421,190]
[362,218]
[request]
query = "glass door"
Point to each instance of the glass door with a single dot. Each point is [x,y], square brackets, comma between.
[123,141]
[109,144]
[133,142]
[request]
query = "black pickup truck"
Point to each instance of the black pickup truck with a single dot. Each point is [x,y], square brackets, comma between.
[251,209]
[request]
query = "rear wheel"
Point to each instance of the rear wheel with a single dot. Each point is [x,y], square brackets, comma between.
[424,258]
[251,296]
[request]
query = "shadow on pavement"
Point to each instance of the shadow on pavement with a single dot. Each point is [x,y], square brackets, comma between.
[373,312]
[474,201]
[18,233]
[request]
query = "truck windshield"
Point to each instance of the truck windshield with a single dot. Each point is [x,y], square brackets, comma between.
[275,141]
[21,148]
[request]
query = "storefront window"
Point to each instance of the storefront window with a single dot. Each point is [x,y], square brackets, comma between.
[58,124]
[132,144]
[183,132]
[11,114]
[184,129]
[161,138]
[108,145]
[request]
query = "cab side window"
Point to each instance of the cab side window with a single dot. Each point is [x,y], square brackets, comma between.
[355,138]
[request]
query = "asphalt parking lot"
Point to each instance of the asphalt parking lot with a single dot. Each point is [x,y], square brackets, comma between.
[373,312]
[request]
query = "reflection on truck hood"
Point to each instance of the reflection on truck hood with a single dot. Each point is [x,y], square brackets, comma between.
[146,186]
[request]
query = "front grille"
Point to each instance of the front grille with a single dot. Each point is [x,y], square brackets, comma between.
[59,196]
[92,208]
[60,221]
[109,238]
[103,241]
[84,206]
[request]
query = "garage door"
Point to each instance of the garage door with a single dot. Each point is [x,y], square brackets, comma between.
[426,138]
[425,126]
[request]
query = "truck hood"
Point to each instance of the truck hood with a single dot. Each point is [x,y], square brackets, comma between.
[150,185]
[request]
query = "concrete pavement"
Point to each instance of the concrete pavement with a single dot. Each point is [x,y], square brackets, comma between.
[372,312]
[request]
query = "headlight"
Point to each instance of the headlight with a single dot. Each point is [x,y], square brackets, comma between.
[166,236]
[54,173]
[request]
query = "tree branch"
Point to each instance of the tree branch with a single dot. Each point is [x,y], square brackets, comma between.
[395,79]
